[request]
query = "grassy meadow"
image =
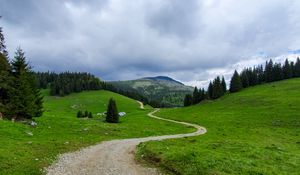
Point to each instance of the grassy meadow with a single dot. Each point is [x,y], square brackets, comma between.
[27,150]
[255,131]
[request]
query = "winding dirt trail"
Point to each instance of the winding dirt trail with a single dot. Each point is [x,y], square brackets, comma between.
[114,157]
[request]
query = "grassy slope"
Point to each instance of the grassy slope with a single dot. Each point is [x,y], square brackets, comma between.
[59,130]
[256,131]
[167,92]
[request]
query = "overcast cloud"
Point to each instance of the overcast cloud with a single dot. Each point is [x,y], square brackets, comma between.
[191,41]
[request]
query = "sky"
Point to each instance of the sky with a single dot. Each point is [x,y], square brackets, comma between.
[191,41]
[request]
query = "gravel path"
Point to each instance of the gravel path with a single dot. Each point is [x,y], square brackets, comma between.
[114,157]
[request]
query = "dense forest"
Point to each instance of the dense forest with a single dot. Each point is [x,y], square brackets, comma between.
[61,84]
[248,77]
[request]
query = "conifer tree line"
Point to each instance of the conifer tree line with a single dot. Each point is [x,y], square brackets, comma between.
[66,83]
[62,84]
[247,77]
[85,114]
[216,89]
[19,96]
[269,73]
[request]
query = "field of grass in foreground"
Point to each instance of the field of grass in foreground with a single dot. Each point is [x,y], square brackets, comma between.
[59,131]
[255,131]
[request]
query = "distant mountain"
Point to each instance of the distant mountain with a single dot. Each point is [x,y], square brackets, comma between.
[160,89]
[163,78]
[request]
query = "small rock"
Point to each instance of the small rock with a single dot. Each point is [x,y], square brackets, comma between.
[32,123]
[66,143]
[29,133]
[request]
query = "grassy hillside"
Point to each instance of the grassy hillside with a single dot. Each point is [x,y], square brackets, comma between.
[59,130]
[161,89]
[255,131]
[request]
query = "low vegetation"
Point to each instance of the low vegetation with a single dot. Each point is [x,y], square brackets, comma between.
[27,149]
[255,131]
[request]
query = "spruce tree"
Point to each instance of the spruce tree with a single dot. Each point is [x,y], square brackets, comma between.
[188,100]
[195,96]
[235,83]
[269,77]
[287,70]
[244,79]
[79,114]
[5,85]
[277,72]
[297,68]
[112,115]
[86,113]
[224,85]
[217,88]
[90,115]
[210,90]
[26,99]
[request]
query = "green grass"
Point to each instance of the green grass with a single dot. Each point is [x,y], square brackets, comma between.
[255,131]
[59,131]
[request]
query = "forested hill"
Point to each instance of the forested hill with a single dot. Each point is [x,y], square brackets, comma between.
[161,91]
[65,83]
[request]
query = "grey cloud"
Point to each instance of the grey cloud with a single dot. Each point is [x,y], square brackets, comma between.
[117,39]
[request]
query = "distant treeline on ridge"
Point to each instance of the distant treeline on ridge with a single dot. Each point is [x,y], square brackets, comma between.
[62,84]
[248,77]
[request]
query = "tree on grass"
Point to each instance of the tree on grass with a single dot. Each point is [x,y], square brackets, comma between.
[112,115]
[224,85]
[26,99]
[235,83]
[79,114]
[5,84]
[90,115]
[188,100]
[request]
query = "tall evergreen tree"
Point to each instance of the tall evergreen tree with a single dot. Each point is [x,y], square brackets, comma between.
[269,77]
[112,115]
[196,96]
[217,88]
[244,79]
[210,90]
[277,72]
[5,85]
[26,98]
[224,85]
[188,100]
[297,68]
[235,83]
[287,70]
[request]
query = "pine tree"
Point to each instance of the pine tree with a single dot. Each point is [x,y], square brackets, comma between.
[217,88]
[112,115]
[86,113]
[210,90]
[90,115]
[26,100]
[244,79]
[195,96]
[5,85]
[224,85]
[235,83]
[297,68]
[269,77]
[277,72]
[287,70]
[188,100]
[79,114]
